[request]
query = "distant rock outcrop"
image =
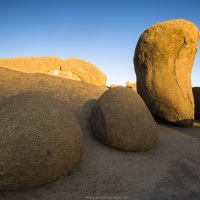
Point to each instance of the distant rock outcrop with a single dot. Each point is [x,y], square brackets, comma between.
[163,60]
[131,85]
[40,140]
[196,94]
[85,70]
[65,74]
[32,64]
[72,68]
[113,85]
[121,120]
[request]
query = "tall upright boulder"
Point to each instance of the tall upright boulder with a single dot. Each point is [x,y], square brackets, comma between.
[163,61]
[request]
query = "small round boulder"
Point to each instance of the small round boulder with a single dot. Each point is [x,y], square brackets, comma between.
[40,140]
[121,120]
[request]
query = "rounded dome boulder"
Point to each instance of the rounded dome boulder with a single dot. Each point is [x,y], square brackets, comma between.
[40,140]
[121,120]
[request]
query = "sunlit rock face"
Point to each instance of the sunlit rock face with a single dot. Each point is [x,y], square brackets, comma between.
[71,68]
[196,93]
[32,64]
[65,74]
[121,120]
[163,61]
[131,85]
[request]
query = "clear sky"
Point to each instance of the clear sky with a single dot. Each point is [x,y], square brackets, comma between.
[104,32]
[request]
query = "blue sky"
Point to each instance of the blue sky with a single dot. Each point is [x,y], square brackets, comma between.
[104,32]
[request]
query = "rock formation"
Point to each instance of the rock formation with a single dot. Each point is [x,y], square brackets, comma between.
[40,140]
[163,60]
[77,95]
[65,74]
[121,120]
[196,94]
[72,68]
[86,71]
[104,170]
[134,87]
[113,85]
[131,85]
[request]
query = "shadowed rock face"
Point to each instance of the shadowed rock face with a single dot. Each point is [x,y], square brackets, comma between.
[76,94]
[105,171]
[163,61]
[40,140]
[121,120]
[196,93]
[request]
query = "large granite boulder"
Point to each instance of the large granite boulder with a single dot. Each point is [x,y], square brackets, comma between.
[85,70]
[163,60]
[121,120]
[40,140]
[196,94]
